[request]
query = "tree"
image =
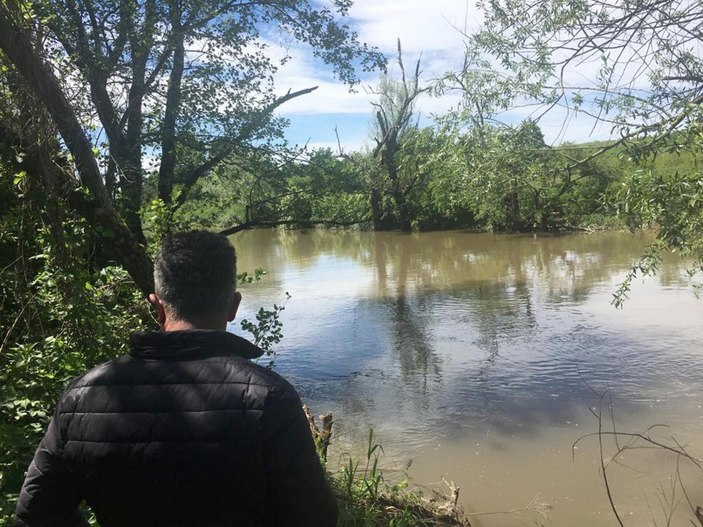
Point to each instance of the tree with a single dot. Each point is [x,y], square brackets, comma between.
[301,191]
[325,189]
[505,175]
[646,82]
[393,113]
[509,178]
[186,84]
[647,75]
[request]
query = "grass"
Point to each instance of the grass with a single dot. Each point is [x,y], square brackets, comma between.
[365,499]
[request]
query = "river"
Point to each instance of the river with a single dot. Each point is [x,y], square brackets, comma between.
[480,358]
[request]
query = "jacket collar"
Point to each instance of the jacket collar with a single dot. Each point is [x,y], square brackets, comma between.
[194,343]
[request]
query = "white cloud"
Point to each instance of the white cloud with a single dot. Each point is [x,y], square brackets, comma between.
[329,98]
[421,26]
[432,31]
[333,97]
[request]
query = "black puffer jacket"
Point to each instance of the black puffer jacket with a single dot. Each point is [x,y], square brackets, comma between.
[184,430]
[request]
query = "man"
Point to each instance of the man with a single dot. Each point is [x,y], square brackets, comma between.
[183,430]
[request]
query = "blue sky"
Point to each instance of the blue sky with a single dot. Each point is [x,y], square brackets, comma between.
[427,28]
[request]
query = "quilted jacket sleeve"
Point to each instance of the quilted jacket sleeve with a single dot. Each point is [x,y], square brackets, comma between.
[50,495]
[299,491]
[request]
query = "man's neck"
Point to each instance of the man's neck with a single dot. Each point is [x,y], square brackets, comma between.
[184,325]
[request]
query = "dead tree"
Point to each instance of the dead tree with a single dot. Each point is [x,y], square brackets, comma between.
[394,111]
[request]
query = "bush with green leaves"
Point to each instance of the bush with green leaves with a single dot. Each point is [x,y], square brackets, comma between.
[672,205]
[62,312]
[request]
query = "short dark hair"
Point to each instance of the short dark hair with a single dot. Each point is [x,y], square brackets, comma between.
[195,274]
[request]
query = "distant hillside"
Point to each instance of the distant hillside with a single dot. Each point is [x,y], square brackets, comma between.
[618,160]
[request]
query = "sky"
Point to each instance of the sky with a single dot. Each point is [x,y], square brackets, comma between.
[430,29]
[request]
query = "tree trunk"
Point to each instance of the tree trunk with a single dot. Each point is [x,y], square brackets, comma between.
[512,209]
[131,180]
[173,104]
[375,201]
[402,207]
[98,208]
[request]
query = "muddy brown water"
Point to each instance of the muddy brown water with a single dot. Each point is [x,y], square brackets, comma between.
[479,358]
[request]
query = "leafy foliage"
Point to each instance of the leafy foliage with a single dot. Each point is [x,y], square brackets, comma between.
[61,314]
[671,204]
[644,71]
[634,66]
[268,329]
[190,83]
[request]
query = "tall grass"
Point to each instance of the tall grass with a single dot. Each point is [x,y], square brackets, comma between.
[365,499]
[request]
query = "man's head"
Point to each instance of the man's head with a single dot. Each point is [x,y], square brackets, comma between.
[195,277]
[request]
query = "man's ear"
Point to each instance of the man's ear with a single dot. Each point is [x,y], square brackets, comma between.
[235,306]
[155,301]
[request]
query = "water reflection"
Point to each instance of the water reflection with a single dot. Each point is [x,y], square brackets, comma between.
[409,324]
[512,314]
[473,339]
[565,266]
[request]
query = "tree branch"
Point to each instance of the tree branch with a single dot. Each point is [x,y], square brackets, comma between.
[245,133]
[173,104]
[300,223]
[16,46]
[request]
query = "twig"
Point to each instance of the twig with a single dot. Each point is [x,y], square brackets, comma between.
[12,327]
[342,154]
[667,504]
[454,496]
[634,435]
[603,467]
[541,507]
[13,262]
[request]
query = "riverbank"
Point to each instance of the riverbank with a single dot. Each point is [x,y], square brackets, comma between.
[366,499]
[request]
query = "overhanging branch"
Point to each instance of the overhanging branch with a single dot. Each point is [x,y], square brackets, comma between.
[298,223]
[244,134]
